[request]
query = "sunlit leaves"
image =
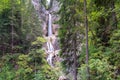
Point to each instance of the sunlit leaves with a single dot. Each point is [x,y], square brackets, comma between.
[4,4]
[39,40]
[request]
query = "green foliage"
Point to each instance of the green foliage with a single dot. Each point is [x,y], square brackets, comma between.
[103,62]
[7,67]
[29,61]
[99,70]
[69,31]
[39,41]
[34,64]
[45,74]
[115,48]
[31,66]
[7,73]
[4,4]
[21,16]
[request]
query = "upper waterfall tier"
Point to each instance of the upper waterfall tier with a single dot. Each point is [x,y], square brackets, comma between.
[50,26]
[47,3]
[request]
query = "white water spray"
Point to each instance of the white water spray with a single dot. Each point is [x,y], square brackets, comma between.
[49,59]
[50,47]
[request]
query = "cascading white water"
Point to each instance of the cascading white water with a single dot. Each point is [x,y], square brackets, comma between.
[50,47]
[49,25]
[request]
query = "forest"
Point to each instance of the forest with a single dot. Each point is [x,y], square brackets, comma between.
[59,40]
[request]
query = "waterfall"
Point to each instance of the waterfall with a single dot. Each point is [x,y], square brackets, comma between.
[48,2]
[50,47]
[49,25]
[45,16]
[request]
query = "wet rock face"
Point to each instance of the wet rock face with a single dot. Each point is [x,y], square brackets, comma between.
[39,6]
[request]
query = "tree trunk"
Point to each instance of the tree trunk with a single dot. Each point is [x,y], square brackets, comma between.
[114,18]
[12,39]
[87,51]
[12,31]
[75,58]
[75,46]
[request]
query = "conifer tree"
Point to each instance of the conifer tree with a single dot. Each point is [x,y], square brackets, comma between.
[69,34]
